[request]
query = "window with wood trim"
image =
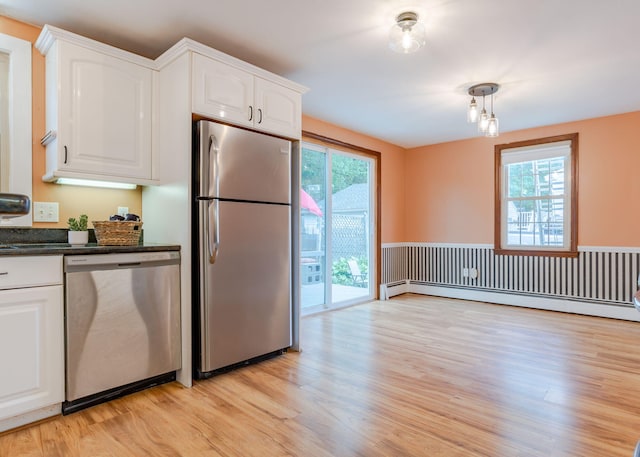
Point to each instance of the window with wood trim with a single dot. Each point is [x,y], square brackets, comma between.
[536,210]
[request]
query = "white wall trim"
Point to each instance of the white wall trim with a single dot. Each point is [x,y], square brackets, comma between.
[633,249]
[393,245]
[545,303]
[449,245]
[20,139]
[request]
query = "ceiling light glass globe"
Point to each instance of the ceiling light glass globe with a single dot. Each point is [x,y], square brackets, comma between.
[407,34]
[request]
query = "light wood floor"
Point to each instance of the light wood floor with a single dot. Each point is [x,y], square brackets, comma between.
[413,376]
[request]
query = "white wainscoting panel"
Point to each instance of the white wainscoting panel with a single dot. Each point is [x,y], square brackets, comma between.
[599,276]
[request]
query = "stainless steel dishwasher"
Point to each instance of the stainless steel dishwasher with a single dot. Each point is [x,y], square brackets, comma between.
[122,323]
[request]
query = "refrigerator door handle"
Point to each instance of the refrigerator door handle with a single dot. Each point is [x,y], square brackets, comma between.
[213,185]
[213,240]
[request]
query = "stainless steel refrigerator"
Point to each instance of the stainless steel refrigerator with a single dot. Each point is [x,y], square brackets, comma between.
[242,187]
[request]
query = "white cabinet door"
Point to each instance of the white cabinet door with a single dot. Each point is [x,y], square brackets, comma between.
[31,349]
[104,114]
[20,272]
[222,92]
[279,109]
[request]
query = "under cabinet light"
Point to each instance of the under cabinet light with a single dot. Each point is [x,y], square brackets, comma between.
[92,183]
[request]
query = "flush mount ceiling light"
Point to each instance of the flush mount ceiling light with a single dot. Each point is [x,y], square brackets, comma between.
[407,34]
[487,125]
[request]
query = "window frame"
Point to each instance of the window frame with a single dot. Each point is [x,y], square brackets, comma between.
[501,225]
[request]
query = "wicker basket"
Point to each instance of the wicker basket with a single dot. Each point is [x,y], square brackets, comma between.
[117,233]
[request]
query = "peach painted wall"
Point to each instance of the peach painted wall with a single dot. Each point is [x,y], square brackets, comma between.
[392,174]
[438,193]
[450,186]
[98,204]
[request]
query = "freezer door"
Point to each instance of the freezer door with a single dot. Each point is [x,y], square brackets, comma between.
[245,295]
[242,165]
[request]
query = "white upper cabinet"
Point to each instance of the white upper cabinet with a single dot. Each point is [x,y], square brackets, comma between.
[225,92]
[279,109]
[102,102]
[99,110]
[222,92]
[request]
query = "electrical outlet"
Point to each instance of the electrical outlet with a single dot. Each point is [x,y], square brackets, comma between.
[45,212]
[123,210]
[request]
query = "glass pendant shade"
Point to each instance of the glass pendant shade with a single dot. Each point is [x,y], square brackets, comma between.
[492,126]
[407,34]
[483,122]
[472,112]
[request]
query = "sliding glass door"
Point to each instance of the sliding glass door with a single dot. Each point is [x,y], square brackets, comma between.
[313,228]
[337,228]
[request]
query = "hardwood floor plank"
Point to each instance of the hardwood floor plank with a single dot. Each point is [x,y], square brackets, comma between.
[412,376]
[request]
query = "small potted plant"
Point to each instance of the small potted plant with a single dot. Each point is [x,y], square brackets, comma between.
[78,233]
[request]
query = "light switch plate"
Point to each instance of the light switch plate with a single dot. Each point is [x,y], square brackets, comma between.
[45,212]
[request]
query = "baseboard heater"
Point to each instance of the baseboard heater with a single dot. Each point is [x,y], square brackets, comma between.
[574,305]
[392,289]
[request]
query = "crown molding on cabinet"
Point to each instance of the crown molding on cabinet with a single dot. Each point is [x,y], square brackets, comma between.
[187,44]
[50,34]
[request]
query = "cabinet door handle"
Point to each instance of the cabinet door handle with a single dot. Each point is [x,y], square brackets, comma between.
[250,112]
[65,154]
[4,273]
[259,116]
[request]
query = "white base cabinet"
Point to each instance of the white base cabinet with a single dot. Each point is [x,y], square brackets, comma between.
[31,338]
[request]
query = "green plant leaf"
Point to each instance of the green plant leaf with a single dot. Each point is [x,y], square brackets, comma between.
[78,225]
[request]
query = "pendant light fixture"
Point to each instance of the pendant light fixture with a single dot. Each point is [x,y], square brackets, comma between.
[487,125]
[407,34]
[483,121]
[492,124]
[472,112]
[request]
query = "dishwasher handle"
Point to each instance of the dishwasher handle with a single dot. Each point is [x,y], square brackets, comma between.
[117,261]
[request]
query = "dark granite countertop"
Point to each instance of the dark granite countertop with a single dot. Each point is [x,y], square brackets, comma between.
[19,249]
[29,241]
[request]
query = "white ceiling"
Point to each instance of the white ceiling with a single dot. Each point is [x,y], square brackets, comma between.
[556,60]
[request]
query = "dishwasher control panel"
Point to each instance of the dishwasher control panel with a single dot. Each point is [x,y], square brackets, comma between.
[128,259]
